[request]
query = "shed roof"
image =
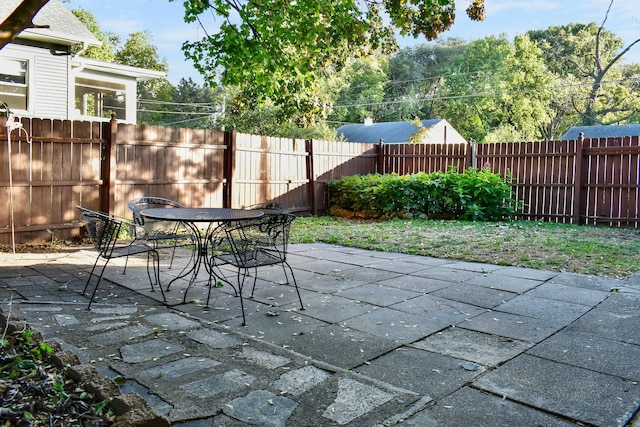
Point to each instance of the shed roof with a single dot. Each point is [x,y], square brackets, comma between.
[64,27]
[389,132]
[603,131]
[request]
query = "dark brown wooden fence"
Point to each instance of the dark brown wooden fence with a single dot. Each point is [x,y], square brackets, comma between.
[56,165]
[589,181]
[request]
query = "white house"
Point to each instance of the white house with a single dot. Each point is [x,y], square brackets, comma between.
[40,77]
[437,131]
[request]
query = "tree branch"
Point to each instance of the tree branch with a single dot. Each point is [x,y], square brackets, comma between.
[20,19]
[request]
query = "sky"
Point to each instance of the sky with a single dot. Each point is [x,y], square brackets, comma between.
[164,20]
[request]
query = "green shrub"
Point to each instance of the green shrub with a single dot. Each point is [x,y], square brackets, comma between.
[475,195]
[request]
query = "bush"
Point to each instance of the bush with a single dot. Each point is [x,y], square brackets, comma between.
[475,195]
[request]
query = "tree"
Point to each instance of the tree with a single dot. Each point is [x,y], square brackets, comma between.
[138,51]
[495,89]
[599,105]
[104,52]
[363,93]
[416,79]
[279,50]
[20,19]
[589,56]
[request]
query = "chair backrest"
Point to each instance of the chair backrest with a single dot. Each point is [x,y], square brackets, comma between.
[268,234]
[268,208]
[141,203]
[103,230]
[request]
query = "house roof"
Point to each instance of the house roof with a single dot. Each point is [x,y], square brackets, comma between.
[140,74]
[604,131]
[64,27]
[389,132]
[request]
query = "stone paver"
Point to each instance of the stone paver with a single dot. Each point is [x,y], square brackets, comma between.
[353,400]
[148,350]
[485,349]
[386,339]
[583,395]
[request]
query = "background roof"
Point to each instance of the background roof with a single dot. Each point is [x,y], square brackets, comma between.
[390,132]
[601,131]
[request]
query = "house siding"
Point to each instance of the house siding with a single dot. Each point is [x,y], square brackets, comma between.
[48,79]
[52,77]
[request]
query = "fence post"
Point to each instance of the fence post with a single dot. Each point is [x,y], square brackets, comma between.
[228,167]
[473,154]
[311,176]
[380,164]
[578,204]
[107,190]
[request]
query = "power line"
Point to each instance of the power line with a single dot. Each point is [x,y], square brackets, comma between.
[190,104]
[140,110]
[181,121]
[473,95]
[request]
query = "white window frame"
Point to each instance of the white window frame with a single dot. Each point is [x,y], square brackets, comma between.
[129,92]
[29,84]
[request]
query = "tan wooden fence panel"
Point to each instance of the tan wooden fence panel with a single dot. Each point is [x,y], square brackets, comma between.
[269,168]
[180,164]
[55,165]
[331,160]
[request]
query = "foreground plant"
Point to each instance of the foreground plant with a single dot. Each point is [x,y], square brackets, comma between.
[34,392]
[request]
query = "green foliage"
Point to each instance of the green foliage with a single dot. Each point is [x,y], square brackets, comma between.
[416,76]
[279,50]
[587,56]
[104,52]
[475,195]
[496,84]
[363,91]
[35,392]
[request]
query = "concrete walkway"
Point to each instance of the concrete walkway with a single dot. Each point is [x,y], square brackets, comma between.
[384,339]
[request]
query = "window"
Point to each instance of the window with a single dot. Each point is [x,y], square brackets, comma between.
[97,98]
[13,83]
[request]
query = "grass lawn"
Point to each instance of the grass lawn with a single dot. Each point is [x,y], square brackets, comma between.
[600,251]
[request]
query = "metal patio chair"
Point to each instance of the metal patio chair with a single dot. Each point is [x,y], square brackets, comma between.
[219,245]
[268,208]
[253,244]
[104,230]
[161,234]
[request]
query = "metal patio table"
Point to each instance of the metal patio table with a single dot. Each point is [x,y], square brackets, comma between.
[190,217]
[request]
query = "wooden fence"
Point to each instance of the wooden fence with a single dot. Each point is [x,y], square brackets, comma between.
[50,166]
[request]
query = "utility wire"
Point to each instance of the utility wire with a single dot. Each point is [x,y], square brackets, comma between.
[473,95]
[181,121]
[193,104]
[140,110]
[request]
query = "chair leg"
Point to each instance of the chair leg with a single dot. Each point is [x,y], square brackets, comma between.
[295,283]
[93,294]
[155,259]
[209,285]
[255,279]
[86,285]
[240,285]
[173,254]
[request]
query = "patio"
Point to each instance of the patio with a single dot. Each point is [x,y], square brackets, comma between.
[384,338]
